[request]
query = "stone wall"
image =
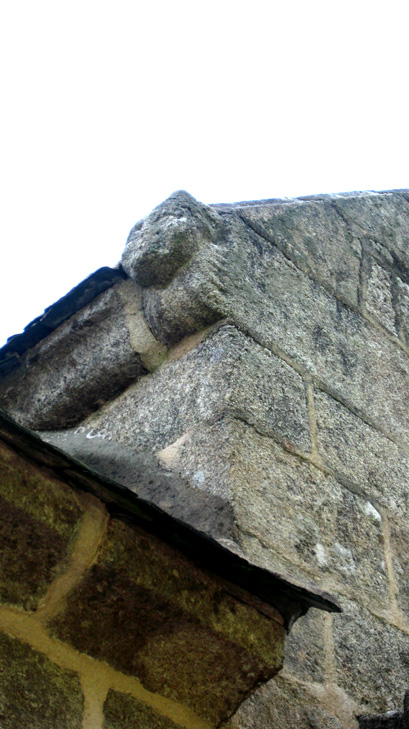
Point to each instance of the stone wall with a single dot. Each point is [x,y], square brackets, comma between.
[105,626]
[282,387]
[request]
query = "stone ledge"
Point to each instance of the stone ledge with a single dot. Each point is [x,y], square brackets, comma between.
[227,373]
[57,314]
[88,360]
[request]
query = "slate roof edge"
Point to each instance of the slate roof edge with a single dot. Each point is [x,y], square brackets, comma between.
[56,314]
[268,587]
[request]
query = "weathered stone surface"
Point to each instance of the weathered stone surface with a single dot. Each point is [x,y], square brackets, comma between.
[35,693]
[304,648]
[282,704]
[227,373]
[382,219]
[302,517]
[278,278]
[399,536]
[146,610]
[289,516]
[402,308]
[142,473]
[122,711]
[315,237]
[378,299]
[56,314]
[371,659]
[250,280]
[193,299]
[203,454]
[84,363]
[362,455]
[332,342]
[168,238]
[39,521]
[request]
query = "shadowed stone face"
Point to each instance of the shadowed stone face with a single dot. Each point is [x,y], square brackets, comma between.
[141,473]
[150,614]
[39,518]
[35,693]
[29,552]
[124,712]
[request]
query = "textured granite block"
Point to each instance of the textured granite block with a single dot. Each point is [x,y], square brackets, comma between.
[361,454]
[282,704]
[84,363]
[228,373]
[39,519]
[122,711]
[371,659]
[149,612]
[35,693]
[315,237]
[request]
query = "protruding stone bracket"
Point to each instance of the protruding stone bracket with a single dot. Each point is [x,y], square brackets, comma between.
[176,257]
[168,238]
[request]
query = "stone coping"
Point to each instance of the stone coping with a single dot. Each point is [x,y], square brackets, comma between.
[54,315]
[105,277]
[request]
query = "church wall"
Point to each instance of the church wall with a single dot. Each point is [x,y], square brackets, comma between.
[282,387]
[294,406]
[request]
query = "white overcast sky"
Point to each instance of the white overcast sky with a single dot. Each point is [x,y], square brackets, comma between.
[108,107]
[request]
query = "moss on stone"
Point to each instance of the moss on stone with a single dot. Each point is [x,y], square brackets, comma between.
[158,567]
[122,711]
[35,693]
[29,554]
[44,498]
[39,524]
[149,612]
